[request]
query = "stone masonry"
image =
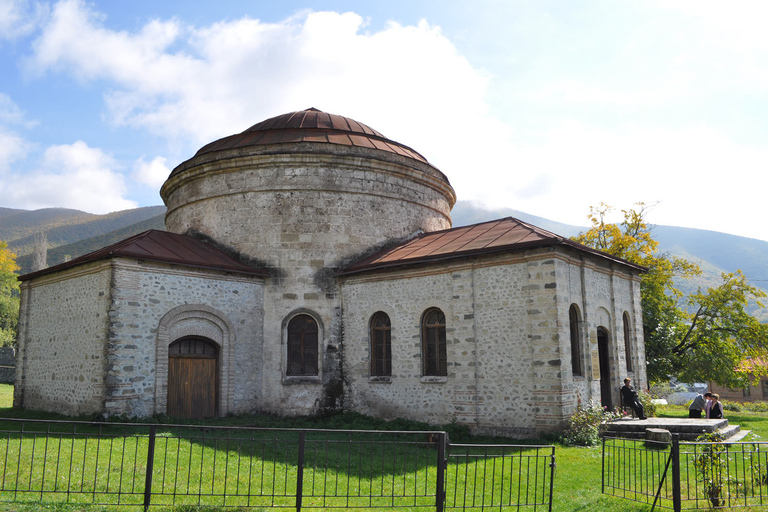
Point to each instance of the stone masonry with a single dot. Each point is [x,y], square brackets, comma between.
[314,214]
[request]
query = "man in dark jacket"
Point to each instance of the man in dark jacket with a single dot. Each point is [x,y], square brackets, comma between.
[629,399]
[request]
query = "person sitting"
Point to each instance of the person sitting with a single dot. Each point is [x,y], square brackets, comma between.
[629,399]
[698,404]
[716,411]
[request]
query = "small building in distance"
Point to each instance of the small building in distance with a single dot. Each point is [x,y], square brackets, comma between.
[757,391]
[310,266]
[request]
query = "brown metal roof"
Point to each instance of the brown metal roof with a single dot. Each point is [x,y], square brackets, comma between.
[156,245]
[508,234]
[311,125]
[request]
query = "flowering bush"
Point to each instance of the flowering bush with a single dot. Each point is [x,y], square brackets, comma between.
[584,426]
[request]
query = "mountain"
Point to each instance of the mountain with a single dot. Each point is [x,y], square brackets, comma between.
[72,233]
[714,252]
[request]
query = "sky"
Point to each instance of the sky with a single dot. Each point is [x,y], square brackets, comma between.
[545,107]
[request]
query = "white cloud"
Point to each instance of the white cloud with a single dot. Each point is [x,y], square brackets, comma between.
[70,176]
[222,78]
[20,17]
[13,147]
[152,174]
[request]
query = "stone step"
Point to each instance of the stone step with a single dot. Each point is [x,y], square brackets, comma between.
[737,438]
[688,428]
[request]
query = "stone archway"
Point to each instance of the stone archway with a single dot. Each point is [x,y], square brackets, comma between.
[195,321]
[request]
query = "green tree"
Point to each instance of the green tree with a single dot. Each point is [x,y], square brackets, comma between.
[9,296]
[705,336]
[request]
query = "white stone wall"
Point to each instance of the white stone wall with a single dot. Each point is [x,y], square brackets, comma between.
[156,304]
[302,211]
[64,323]
[509,362]
[602,294]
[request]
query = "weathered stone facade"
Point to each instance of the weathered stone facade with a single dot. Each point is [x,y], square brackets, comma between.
[278,223]
[508,340]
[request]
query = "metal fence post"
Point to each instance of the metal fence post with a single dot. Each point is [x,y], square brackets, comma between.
[300,470]
[150,467]
[676,489]
[552,466]
[442,438]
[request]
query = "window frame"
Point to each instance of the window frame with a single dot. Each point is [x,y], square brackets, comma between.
[308,365]
[627,343]
[433,341]
[381,345]
[574,324]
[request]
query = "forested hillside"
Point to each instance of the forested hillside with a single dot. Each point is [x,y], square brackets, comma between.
[70,251]
[63,226]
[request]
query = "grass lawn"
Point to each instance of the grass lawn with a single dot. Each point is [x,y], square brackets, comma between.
[577,476]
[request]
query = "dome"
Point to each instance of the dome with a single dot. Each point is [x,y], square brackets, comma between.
[306,190]
[311,125]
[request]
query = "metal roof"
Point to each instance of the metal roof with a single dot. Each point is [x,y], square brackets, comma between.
[162,246]
[507,234]
[311,125]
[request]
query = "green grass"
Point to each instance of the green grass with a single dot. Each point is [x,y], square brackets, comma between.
[577,476]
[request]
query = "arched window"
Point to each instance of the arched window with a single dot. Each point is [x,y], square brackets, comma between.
[627,344]
[573,317]
[302,346]
[434,360]
[381,345]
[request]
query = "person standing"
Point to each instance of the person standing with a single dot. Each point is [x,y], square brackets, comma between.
[708,405]
[629,398]
[698,404]
[716,411]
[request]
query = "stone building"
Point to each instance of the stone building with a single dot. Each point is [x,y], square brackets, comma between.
[309,265]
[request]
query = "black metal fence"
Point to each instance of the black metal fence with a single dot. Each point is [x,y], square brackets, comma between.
[144,465]
[686,476]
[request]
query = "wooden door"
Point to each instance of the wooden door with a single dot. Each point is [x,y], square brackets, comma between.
[192,379]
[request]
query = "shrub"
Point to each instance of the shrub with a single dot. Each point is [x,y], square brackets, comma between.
[712,470]
[732,406]
[647,399]
[584,425]
[662,389]
[758,407]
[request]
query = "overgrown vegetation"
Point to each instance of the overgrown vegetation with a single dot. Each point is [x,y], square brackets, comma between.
[9,296]
[584,426]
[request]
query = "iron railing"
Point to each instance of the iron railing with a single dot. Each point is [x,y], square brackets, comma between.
[172,465]
[686,476]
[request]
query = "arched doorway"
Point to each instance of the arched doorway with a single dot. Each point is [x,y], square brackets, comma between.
[606,381]
[193,378]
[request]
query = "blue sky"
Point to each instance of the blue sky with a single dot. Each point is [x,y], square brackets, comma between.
[545,107]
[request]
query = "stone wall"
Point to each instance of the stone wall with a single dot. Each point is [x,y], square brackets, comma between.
[509,363]
[156,304]
[302,211]
[63,325]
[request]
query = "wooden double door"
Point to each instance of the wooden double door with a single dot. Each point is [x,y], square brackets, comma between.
[193,378]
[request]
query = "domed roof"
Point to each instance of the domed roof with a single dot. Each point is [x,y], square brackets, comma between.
[311,125]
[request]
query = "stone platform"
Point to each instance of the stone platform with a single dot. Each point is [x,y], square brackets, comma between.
[688,428]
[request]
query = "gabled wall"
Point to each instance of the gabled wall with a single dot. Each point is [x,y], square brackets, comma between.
[63,326]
